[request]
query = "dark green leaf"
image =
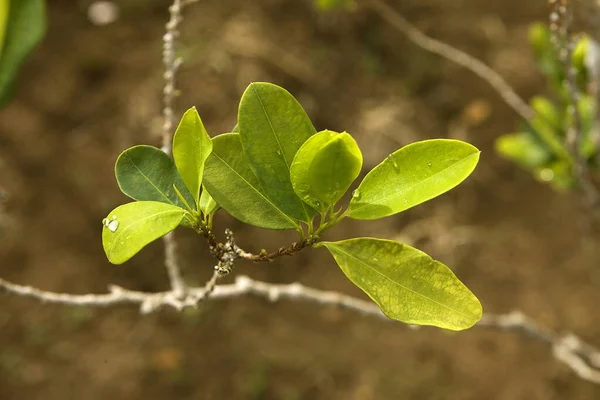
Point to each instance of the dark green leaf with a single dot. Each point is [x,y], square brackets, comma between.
[232,184]
[191,147]
[273,126]
[147,173]
[407,284]
[25,27]
[325,167]
[130,227]
[412,175]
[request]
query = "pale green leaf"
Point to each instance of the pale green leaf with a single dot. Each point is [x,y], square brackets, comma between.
[273,126]
[207,204]
[407,284]
[235,188]
[130,227]
[524,149]
[412,175]
[191,147]
[146,173]
[325,167]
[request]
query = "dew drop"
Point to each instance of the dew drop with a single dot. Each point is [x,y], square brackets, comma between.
[356,194]
[429,164]
[111,224]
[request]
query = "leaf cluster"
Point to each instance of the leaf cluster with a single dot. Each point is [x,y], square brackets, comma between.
[275,171]
[540,144]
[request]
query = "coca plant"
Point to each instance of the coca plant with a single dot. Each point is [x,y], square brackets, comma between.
[275,171]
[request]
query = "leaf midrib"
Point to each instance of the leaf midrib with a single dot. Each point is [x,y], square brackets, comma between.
[409,188]
[404,287]
[280,148]
[148,179]
[256,190]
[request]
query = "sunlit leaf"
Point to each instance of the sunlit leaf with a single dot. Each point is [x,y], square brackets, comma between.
[325,167]
[130,227]
[273,126]
[407,284]
[233,185]
[147,173]
[191,147]
[412,175]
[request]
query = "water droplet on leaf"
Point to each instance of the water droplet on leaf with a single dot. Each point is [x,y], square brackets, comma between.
[112,224]
[429,164]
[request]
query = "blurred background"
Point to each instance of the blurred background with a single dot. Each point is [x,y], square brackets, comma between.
[93,88]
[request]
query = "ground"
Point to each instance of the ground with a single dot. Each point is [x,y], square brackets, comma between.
[89,92]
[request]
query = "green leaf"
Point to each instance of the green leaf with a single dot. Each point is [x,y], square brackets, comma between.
[4,10]
[147,173]
[523,149]
[233,185]
[130,227]
[328,5]
[25,27]
[273,126]
[325,167]
[412,175]
[207,204]
[407,284]
[191,147]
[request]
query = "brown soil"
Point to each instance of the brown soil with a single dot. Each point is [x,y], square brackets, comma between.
[89,92]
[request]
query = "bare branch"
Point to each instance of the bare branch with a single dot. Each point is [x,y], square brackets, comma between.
[459,57]
[172,64]
[579,356]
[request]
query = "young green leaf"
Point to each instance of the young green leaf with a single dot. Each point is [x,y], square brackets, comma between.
[407,284]
[191,147]
[24,28]
[324,168]
[273,126]
[233,185]
[146,173]
[207,204]
[130,227]
[523,149]
[412,175]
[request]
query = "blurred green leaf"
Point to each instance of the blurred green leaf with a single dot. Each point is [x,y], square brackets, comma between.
[273,126]
[130,227]
[146,173]
[407,284]
[24,25]
[523,149]
[233,185]
[4,10]
[412,175]
[191,147]
[545,54]
[325,167]
[328,5]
